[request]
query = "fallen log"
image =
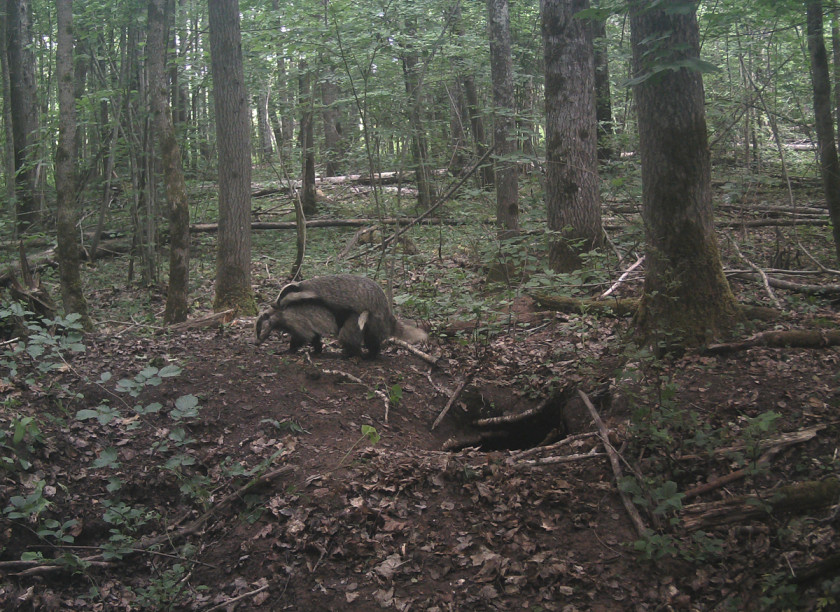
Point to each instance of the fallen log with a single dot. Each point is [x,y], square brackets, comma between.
[287,225]
[798,498]
[794,338]
[778,283]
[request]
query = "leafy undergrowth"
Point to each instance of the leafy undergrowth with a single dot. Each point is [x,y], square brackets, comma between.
[145,469]
[185,471]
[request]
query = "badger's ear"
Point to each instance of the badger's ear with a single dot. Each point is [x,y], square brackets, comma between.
[363,319]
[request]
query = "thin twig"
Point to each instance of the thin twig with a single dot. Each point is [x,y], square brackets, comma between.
[622,278]
[760,272]
[455,395]
[227,603]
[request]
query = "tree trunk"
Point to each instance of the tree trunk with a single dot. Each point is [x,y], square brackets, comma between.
[24,109]
[419,146]
[572,189]
[829,164]
[501,72]
[264,127]
[306,139]
[9,140]
[173,172]
[66,157]
[835,50]
[603,98]
[332,124]
[687,299]
[233,137]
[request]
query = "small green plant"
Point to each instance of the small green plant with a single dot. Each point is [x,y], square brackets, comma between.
[42,347]
[395,395]
[287,426]
[368,433]
[168,591]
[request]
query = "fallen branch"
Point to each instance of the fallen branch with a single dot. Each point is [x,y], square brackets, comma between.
[214,318]
[288,225]
[624,307]
[228,603]
[622,278]
[760,273]
[455,395]
[430,359]
[797,498]
[510,419]
[358,381]
[778,283]
[726,479]
[635,517]
[794,338]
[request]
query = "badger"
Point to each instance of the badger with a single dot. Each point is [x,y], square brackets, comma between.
[359,308]
[305,323]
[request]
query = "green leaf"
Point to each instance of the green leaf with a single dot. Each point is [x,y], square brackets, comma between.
[107,458]
[169,371]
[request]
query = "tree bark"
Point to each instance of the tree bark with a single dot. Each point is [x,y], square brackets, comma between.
[501,72]
[9,141]
[687,299]
[603,97]
[233,137]
[572,187]
[306,138]
[66,158]
[414,92]
[24,110]
[332,124]
[173,173]
[829,164]
[264,126]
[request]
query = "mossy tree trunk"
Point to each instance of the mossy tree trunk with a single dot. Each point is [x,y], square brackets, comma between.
[687,299]
[233,136]
[173,173]
[573,199]
[65,171]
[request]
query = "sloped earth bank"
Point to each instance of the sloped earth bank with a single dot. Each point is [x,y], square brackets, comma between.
[402,524]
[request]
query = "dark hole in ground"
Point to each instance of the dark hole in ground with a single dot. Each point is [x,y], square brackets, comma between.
[496,419]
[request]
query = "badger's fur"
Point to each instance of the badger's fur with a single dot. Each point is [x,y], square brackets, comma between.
[354,299]
[306,323]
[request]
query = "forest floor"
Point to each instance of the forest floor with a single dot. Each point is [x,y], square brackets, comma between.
[245,480]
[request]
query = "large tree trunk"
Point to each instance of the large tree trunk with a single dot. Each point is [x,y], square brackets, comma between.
[66,157]
[173,173]
[572,189]
[829,164]
[501,69]
[687,299]
[24,109]
[233,137]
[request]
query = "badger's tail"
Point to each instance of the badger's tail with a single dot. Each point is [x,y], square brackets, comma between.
[409,333]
